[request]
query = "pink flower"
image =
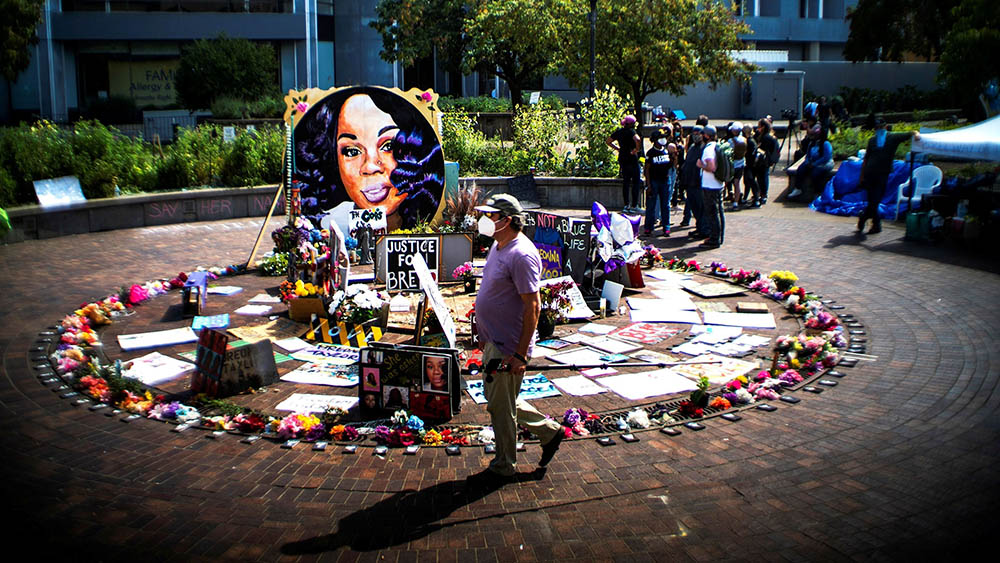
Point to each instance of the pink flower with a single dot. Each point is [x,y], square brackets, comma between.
[426,96]
[302,107]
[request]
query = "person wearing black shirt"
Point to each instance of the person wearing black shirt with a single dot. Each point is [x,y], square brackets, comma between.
[767,156]
[875,171]
[660,174]
[628,144]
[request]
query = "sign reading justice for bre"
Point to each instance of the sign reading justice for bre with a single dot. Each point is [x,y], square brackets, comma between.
[400,275]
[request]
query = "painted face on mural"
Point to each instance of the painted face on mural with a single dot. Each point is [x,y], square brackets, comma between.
[365,135]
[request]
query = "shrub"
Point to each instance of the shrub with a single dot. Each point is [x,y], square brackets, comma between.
[254,157]
[225,67]
[537,131]
[227,107]
[601,117]
[270,106]
[474,104]
[204,152]
[462,142]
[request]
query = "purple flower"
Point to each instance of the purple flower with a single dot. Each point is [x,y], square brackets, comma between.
[731,397]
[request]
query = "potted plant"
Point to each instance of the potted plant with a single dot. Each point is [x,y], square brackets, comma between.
[555,305]
[464,272]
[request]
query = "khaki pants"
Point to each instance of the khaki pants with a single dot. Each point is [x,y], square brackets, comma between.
[507,410]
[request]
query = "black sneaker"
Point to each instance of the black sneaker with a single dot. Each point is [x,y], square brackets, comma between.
[549,449]
[696,235]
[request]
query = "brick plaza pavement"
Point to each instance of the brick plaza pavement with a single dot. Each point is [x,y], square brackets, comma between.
[899,461]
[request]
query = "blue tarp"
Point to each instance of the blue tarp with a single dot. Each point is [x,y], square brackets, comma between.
[843,196]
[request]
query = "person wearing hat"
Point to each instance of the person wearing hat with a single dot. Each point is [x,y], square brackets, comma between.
[711,191]
[507,309]
[628,144]
[875,170]
[660,173]
[691,179]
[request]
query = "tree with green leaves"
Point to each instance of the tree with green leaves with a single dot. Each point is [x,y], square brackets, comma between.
[887,30]
[412,29]
[17,35]
[646,46]
[225,67]
[518,38]
[968,61]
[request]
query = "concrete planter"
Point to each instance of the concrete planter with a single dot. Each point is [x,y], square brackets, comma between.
[146,210]
[143,210]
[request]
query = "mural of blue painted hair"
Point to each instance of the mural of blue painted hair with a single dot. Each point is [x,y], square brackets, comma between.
[370,145]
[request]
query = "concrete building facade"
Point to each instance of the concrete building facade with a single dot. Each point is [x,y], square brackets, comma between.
[94,49]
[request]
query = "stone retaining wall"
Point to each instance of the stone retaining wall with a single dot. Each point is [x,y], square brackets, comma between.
[145,210]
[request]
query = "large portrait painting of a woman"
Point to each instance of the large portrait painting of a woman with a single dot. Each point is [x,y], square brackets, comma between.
[373,146]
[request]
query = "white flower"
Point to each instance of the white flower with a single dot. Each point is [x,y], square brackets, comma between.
[638,419]
[744,396]
[486,435]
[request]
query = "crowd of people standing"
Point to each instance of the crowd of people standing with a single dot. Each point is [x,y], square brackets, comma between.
[679,170]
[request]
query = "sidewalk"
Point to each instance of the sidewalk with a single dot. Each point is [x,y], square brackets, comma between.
[899,461]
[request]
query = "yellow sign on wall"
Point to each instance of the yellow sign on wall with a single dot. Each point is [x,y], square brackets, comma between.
[148,83]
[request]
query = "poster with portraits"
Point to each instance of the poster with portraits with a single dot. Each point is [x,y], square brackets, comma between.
[369,146]
[423,380]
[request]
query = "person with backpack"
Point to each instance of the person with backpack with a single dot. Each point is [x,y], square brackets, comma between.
[691,178]
[713,164]
[739,145]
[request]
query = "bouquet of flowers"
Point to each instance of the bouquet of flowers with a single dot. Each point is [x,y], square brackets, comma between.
[783,279]
[652,256]
[463,272]
[359,303]
[555,300]
[744,277]
[684,265]
[719,268]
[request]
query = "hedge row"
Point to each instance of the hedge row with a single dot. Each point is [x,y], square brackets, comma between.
[103,158]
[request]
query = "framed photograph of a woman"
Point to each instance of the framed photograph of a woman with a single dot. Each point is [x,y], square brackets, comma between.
[437,373]
[369,145]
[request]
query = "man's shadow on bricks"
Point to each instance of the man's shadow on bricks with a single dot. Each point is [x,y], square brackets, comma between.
[404,516]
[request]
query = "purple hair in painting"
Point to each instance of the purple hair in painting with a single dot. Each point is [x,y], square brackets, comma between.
[419,171]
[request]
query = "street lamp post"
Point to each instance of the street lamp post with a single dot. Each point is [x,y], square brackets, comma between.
[593,45]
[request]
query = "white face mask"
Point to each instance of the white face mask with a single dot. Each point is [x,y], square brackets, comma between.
[661,142]
[487,227]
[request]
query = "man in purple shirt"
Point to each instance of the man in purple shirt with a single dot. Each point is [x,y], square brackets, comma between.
[507,310]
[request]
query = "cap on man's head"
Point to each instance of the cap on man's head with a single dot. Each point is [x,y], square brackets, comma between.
[696,129]
[504,204]
[709,130]
[736,126]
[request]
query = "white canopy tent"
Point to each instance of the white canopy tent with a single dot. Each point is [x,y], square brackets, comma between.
[980,141]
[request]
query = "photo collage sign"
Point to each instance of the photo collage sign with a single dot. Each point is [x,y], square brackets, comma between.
[423,380]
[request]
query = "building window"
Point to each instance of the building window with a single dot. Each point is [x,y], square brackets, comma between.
[223,6]
[769,8]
